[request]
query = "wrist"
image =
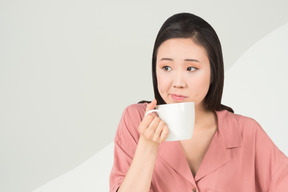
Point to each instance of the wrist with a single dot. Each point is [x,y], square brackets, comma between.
[148,145]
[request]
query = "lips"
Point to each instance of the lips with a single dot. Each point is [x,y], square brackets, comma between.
[178,97]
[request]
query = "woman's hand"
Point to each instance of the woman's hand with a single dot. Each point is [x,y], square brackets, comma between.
[152,128]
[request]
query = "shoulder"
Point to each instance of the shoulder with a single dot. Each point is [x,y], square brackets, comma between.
[240,124]
[236,120]
[136,108]
[253,144]
[238,129]
[134,112]
[248,130]
[130,120]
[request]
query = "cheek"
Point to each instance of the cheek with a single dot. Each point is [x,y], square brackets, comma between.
[205,84]
[163,83]
[199,86]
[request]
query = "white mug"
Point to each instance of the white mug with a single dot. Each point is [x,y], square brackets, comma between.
[179,117]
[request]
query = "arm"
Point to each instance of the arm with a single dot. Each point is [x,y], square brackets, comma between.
[279,181]
[271,164]
[139,175]
[134,171]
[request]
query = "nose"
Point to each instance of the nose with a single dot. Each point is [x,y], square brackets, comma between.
[179,80]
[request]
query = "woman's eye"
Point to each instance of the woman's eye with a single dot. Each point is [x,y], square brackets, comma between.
[191,68]
[167,68]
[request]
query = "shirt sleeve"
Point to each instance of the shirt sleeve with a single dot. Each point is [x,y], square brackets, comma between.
[280,177]
[125,143]
[271,164]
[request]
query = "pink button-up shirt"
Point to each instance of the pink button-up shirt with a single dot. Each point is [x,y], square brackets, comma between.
[241,157]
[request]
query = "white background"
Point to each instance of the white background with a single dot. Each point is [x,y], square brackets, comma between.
[69,68]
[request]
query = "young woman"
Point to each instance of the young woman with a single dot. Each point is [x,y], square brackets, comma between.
[227,152]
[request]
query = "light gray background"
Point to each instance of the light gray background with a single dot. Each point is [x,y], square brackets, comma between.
[248,95]
[69,68]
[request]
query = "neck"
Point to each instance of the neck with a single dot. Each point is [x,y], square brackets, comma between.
[202,116]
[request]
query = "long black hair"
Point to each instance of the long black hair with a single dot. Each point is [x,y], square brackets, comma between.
[187,25]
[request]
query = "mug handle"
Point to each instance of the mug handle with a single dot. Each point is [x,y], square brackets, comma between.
[151,111]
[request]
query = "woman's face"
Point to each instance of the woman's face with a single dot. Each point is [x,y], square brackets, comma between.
[183,71]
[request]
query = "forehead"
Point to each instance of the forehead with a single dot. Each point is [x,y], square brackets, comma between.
[181,48]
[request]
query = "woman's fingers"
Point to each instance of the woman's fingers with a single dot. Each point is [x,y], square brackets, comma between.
[151,105]
[150,131]
[154,124]
[164,134]
[152,127]
[147,118]
[145,123]
[157,131]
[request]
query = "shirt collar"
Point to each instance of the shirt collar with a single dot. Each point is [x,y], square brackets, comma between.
[229,129]
[227,136]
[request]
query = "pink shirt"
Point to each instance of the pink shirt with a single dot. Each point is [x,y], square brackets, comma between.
[240,158]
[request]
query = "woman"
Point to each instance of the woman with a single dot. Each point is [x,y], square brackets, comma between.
[227,152]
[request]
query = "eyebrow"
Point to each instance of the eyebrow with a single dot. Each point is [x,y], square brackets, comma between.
[169,59]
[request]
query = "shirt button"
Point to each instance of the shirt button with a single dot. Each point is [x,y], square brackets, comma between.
[194,189]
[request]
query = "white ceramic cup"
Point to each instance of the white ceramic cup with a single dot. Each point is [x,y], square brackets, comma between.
[179,117]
